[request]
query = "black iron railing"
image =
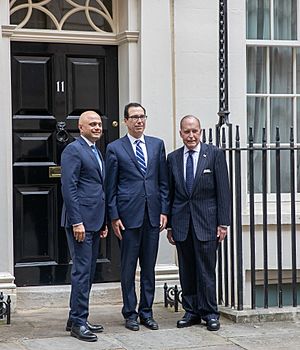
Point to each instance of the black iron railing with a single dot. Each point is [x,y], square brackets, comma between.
[5,308]
[241,164]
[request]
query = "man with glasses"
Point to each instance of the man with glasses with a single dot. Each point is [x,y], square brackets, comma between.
[137,198]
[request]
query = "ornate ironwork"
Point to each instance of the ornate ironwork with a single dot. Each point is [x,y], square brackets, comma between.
[172,296]
[51,11]
[5,308]
[223,65]
[61,133]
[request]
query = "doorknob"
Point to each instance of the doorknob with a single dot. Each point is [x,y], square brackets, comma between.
[114,123]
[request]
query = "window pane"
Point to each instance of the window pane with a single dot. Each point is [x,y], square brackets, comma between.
[50,14]
[256,113]
[281,116]
[298,121]
[285,19]
[298,70]
[257,171]
[281,67]
[258,19]
[256,70]
[285,175]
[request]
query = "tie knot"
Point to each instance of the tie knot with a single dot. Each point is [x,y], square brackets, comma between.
[191,152]
[137,142]
[93,147]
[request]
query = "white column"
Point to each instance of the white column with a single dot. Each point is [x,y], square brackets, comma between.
[6,215]
[156,96]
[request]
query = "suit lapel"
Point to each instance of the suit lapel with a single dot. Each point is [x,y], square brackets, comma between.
[150,152]
[202,161]
[179,167]
[128,148]
[88,149]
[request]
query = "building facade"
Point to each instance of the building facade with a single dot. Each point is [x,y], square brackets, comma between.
[72,55]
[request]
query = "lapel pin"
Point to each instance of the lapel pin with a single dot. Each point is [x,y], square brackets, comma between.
[204,155]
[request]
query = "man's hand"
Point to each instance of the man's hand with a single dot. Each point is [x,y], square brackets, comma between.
[103,233]
[221,232]
[163,222]
[170,237]
[118,227]
[79,232]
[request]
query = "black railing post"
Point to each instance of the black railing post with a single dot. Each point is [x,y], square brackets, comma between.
[265,221]
[225,244]
[238,221]
[278,212]
[223,65]
[293,218]
[252,219]
[232,230]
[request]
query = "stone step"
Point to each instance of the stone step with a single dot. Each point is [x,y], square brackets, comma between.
[31,298]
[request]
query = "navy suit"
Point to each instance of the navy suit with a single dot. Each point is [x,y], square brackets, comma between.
[194,219]
[138,201]
[84,202]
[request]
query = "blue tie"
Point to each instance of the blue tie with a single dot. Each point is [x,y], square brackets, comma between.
[94,149]
[140,157]
[189,174]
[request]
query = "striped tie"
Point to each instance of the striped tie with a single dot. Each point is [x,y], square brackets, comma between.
[140,157]
[189,175]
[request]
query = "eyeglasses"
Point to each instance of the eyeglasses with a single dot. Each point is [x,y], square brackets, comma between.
[137,117]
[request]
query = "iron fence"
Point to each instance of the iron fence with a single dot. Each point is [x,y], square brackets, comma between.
[231,270]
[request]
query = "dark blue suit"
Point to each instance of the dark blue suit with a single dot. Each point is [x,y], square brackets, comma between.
[138,201]
[84,202]
[194,219]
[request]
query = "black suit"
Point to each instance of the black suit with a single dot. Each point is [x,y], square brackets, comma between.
[194,219]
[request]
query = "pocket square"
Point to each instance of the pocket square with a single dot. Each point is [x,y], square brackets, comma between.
[206,171]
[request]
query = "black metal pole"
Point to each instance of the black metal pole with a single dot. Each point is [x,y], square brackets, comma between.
[278,211]
[225,244]
[293,218]
[265,220]
[238,222]
[223,65]
[252,219]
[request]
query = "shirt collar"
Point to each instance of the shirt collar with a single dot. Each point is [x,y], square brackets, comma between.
[196,149]
[133,139]
[87,141]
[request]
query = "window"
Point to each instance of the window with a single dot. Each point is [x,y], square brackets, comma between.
[80,15]
[273,79]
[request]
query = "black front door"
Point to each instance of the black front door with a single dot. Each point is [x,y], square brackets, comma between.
[52,84]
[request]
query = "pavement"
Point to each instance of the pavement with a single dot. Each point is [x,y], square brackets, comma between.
[44,329]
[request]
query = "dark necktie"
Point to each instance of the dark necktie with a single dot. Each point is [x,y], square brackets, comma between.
[189,174]
[140,156]
[94,149]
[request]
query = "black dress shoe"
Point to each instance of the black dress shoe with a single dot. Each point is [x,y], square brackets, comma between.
[188,320]
[213,324]
[132,324]
[149,323]
[83,333]
[95,328]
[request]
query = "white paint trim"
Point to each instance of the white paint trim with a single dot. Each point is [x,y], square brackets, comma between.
[65,36]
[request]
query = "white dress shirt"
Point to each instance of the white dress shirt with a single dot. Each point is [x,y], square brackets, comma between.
[195,158]
[142,144]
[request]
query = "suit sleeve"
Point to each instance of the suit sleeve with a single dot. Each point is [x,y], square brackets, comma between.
[70,172]
[163,181]
[171,190]
[111,182]
[222,188]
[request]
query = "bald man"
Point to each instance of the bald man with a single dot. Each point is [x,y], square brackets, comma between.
[83,216]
